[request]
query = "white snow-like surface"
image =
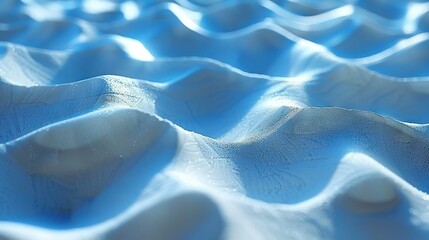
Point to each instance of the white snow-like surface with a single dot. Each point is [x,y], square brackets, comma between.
[194,119]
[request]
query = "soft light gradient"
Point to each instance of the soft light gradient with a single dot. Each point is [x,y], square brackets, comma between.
[195,119]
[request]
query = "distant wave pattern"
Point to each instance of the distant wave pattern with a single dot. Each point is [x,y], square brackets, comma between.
[214,119]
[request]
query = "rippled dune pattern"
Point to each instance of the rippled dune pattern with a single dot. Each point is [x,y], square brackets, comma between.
[194,119]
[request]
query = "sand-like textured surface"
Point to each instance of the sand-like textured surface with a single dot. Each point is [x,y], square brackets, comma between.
[194,119]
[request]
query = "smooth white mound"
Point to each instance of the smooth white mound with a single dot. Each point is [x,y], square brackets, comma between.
[185,215]
[86,130]
[83,143]
[373,191]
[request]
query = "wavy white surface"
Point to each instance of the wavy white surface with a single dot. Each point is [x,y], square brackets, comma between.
[195,119]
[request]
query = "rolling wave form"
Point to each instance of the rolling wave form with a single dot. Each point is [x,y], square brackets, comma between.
[193,119]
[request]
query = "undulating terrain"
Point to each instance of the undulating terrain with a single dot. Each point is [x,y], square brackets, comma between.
[194,119]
